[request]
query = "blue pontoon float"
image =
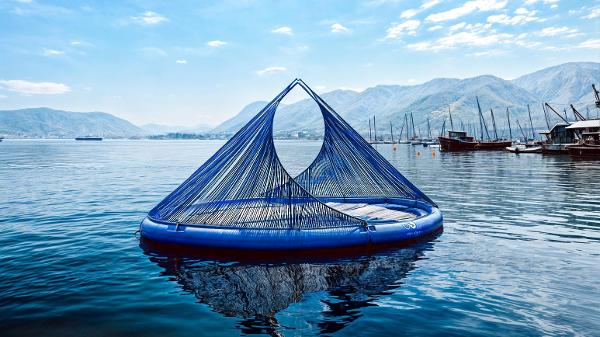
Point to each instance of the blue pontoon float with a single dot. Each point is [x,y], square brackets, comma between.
[243,198]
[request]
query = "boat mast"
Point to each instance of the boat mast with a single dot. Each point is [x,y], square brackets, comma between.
[407,126]
[374,129]
[597,94]
[428,129]
[523,133]
[443,128]
[546,116]
[451,123]
[482,124]
[392,132]
[561,117]
[370,136]
[509,128]
[401,130]
[577,114]
[494,123]
[413,126]
[531,123]
[566,117]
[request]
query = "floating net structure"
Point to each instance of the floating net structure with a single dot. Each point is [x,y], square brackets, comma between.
[244,184]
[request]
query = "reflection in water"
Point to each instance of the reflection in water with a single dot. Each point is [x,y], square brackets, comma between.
[256,292]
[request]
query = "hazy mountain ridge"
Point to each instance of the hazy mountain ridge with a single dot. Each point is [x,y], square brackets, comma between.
[158,129]
[50,123]
[566,83]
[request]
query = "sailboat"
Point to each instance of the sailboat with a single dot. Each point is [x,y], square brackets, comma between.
[490,144]
[404,126]
[415,140]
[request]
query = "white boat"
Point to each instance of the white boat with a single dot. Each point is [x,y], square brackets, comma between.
[522,148]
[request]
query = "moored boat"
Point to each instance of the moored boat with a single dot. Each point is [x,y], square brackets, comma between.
[90,138]
[584,151]
[522,148]
[457,141]
[558,139]
[588,133]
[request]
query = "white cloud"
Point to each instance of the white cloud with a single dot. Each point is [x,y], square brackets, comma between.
[523,15]
[52,52]
[434,28]
[3,96]
[270,70]
[397,29]
[594,13]
[409,13]
[283,30]
[35,88]
[467,8]
[590,44]
[149,18]
[553,31]
[216,43]
[339,28]
[181,61]
[429,3]
[553,3]
[474,35]
[457,26]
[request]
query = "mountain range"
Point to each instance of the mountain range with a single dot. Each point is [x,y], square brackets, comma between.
[568,83]
[50,123]
[564,84]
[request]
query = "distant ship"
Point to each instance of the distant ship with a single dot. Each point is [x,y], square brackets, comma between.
[88,138]
[1,138]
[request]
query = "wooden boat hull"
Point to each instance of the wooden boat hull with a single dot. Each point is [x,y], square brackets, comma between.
[493,146]
[451,145]
[584,151]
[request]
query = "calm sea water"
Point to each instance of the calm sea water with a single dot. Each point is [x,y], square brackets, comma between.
[520,253]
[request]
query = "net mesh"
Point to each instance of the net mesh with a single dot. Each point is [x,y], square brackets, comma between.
[244,184]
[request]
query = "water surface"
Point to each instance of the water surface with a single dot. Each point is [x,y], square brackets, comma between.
[519,253]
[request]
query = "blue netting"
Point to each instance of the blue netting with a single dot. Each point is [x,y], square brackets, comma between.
[245,185]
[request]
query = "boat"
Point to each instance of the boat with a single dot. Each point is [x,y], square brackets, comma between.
[489,144]
[558,138]
[88,138]
[1,138]
[457,141]
[584,151]
[243,198]
[523,148]
[588,134]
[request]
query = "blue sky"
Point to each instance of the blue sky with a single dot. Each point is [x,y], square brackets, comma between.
[192,62]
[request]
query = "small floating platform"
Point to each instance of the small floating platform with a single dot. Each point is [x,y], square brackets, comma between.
[385,223]
[243,198]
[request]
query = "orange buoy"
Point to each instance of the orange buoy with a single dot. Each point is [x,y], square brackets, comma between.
[433,154]
[418,153]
